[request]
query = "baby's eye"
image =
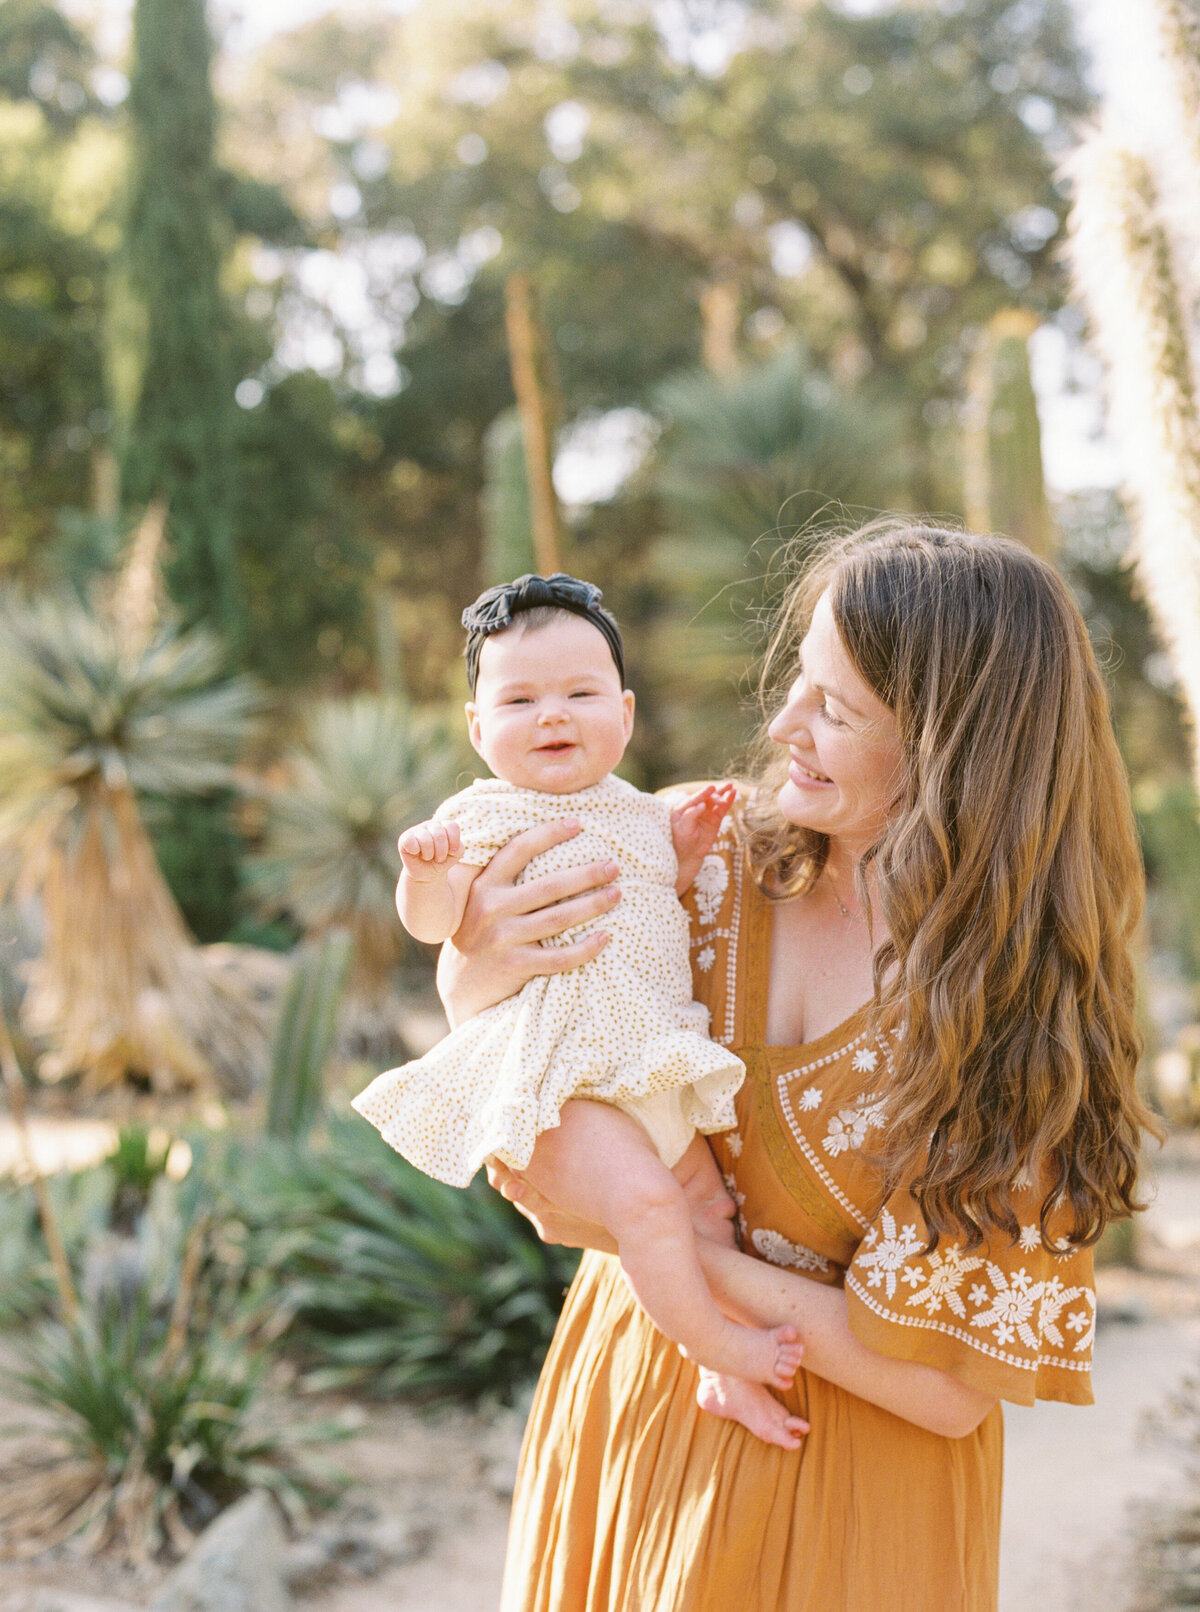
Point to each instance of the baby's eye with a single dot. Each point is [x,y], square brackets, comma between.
[583,694]
[518,699]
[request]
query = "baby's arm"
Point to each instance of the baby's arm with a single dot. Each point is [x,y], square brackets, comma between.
[694,828]
[434,884]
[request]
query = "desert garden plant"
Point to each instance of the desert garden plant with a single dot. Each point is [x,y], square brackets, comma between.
[94,713]
[157,1420]
[395,1283]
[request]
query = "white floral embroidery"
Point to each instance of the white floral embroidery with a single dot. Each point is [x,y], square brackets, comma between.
[865,1060]
[889,1253]
[734,1143]
[942,1274]
[1084,1322]
[849,1126]
[810,1097]
[774,1246]
[1030,1238]
[705,958]
[1012,1305]
[709,887]
[1055,1298]
[731,1188]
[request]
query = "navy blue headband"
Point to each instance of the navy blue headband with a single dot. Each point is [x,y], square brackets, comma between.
[495,608]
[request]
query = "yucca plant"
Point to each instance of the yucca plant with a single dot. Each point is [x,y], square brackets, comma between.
[367,767]
[92,716]
[397,1283]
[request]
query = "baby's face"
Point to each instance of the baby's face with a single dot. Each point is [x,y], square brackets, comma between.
[549,711]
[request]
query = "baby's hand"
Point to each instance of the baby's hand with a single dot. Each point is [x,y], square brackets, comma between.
[429,850]
[694,828]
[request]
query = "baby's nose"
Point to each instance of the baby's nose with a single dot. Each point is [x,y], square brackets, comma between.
[553,711]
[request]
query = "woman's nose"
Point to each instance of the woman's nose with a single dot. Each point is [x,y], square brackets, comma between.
[784,727]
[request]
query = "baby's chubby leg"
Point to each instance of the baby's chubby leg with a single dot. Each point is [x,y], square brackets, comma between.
[599,1164]
[735,1398]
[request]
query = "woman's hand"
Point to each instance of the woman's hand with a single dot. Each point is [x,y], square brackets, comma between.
[496,948]
[553,1225]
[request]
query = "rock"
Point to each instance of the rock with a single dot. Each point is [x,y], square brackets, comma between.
[62,1601]
[308,1566]
[237,1565]
[360,1541]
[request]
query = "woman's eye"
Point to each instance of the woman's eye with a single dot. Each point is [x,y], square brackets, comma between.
[834,721]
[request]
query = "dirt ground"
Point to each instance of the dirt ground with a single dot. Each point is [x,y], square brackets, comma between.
[1070,1477]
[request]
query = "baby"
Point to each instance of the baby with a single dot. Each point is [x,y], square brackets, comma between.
[594,1083]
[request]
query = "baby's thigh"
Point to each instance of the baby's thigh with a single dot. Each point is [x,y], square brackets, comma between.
[708,1201]
[601,1164]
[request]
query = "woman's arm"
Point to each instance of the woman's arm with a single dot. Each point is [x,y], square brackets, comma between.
[496,948]
[759,1294]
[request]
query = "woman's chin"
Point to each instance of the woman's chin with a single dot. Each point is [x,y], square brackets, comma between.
[798,806]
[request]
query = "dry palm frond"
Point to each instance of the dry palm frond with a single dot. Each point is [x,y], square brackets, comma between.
[1122,260]
[87,719]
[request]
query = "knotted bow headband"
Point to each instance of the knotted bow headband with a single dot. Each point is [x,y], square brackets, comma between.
[495,608]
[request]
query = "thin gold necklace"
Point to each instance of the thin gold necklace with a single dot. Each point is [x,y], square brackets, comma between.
[841,905]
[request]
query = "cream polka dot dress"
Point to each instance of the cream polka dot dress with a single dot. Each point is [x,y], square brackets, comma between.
[622,1029]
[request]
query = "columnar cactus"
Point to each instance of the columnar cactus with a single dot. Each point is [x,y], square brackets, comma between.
[1131,260]
[1004,482]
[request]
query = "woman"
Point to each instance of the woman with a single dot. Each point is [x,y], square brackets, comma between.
[917,940]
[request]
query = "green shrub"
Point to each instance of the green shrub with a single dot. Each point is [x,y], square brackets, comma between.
[396,1283]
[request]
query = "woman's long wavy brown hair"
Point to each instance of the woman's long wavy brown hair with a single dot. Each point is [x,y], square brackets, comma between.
[1009,877]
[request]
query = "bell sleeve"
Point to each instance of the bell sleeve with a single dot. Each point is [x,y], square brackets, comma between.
[1013,1319]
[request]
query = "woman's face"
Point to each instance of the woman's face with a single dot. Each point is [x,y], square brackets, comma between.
[844,751]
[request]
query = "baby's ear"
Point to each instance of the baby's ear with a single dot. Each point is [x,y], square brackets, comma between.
[627,699]
[473,733]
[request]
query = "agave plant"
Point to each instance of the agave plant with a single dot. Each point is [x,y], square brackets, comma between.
[160,1422]
[367,767]
[91,717]
[396,1283]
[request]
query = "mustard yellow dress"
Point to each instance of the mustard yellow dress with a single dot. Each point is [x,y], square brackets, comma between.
[630,1499]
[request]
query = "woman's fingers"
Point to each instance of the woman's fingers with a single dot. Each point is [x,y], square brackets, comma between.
[512,859]
[543,923]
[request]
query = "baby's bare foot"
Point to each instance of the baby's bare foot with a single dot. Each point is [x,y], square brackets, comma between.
[789,1352]
[754,1406]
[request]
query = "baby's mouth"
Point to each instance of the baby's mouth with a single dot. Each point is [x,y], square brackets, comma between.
[556,748]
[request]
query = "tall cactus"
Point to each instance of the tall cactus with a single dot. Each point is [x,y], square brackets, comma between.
[507,520]
[1132,257]
[1004,482]
[305,1035]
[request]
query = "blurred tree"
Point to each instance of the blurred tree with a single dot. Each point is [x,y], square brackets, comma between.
[54,159]
[172,374]
[878,183]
